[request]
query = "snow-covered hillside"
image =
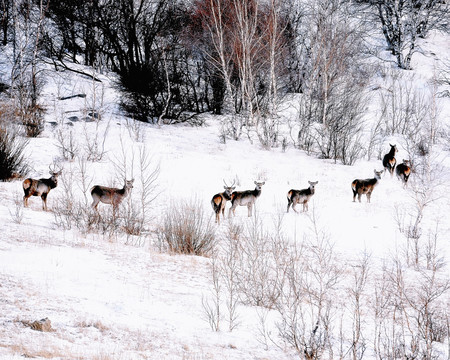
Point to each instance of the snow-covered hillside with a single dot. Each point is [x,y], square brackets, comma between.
[109,296]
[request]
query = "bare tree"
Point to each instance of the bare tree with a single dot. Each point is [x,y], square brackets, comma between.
[212,307]
[229,265]
[402,22]
[307,302]
[244,46]
[408,304]
[360,274]
[27,82]
[332,104]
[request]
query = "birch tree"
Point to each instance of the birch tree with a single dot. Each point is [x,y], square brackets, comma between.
[402,22]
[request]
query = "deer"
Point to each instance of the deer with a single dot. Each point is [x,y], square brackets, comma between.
[219,201]
[403,171]
[112,196]
[366,186]
[41,187]
[389,160]
[295,197]
[245,198]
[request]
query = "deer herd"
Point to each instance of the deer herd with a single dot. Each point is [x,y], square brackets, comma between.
[106,195]
[295,197]
[114,196]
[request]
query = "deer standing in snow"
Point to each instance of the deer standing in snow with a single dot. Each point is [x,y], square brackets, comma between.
[366,186]
[389,159]
[41,187]
[219,201]
[403,171]
[295,197]
[245,198]
[112,196]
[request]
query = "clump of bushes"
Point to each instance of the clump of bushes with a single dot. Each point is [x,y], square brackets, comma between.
[185,229]
[12,159]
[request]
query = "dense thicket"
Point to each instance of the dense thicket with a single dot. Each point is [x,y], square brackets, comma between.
[232,57]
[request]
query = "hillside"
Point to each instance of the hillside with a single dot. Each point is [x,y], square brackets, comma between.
[113,295]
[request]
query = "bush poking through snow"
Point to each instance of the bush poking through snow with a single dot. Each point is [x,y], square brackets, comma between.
[185,229]
[44,325]
[12,159]
[33,120]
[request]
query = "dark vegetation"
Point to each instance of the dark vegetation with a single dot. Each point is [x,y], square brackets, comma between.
[176,59]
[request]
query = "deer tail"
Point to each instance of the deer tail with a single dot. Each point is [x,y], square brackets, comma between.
[289,195]
[354,185]
[215,203]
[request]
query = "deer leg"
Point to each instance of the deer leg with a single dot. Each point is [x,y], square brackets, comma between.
[249,207]
[95,201]
[359,197]
[368,197]
[293,207]
[218,217]
[44,201]
[232,209]
[114,210]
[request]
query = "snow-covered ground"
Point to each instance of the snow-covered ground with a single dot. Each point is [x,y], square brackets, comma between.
[111,299]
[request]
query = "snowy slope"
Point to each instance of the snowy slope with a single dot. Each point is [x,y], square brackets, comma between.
[109,299]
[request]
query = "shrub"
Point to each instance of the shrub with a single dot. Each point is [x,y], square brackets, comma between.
[12,160]
[33,120]
[185,230]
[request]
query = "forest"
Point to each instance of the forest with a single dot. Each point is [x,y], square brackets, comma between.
[177,59]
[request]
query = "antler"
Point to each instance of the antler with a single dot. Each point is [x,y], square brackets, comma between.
[55,168]
[232,185]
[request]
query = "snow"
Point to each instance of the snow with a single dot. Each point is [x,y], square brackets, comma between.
[108,299]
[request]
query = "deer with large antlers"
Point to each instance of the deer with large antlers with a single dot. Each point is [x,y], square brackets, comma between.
[41,187]
[219,201]
[245,198]
[112,196]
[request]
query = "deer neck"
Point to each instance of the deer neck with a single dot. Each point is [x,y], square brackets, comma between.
[257,192]
[51,182]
